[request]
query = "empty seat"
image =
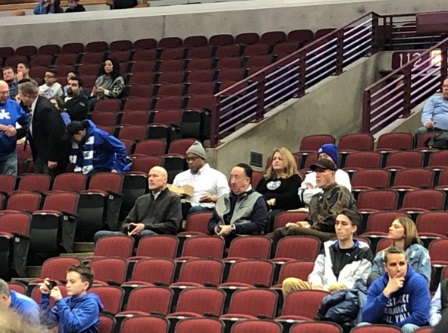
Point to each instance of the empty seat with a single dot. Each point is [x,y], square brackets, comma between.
[151,271]
[251,247]
[104,274]
[113,246]
[200,325]
[200,272]
[197,224]
[295,268]
[221,40]
[148,299]
[370,179]
[150,147]
[405,159]
[251,303]
[145,44]
[202,247]
[412,179]
[250,273]
[197,302]
[395,141]
[297,247]
[356,142]
[312,143]
[375,200]
[111,297]
[157,246]
[423,200]
[249,326]
[302,304]
[315,327]
[363,160]
[147,324]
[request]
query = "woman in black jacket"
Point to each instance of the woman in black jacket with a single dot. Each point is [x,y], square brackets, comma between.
[280,184]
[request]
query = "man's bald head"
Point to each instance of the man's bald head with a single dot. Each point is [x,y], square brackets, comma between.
[4,92]
[157,178]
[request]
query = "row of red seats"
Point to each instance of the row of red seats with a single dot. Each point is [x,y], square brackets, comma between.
[272,37]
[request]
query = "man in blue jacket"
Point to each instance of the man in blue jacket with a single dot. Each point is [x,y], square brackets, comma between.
[21,304]
[94,150]
[77,313]
[400,297]
[10,113]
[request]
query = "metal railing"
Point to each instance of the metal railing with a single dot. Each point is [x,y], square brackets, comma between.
[396,94]
[248,100]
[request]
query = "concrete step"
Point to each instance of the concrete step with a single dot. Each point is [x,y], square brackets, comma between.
[33,271]
[80,255]
[84,247]
[18,279]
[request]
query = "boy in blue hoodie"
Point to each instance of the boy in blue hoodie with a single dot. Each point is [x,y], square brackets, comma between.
[400,297]
[80,311]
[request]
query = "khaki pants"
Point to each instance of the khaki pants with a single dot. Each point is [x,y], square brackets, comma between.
[291,284]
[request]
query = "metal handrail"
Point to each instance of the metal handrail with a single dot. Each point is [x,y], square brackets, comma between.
[292,75]
[420,78]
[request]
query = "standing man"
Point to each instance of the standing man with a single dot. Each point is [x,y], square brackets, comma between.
[21,304]
[242,211]
[10,77]
[10,114]
[400,297]
[435,112]
[157,212]
[209,184]
[45,131]
[76,104]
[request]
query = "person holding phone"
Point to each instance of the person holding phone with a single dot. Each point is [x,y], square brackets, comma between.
[158,212]
[400,297]
[79,312]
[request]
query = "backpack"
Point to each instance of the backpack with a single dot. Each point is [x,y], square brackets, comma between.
[439,141]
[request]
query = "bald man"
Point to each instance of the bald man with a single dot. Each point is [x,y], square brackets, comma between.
[158,212]
[10,114]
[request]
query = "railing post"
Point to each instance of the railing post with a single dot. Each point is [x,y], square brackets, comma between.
[339,52]
[366,111]
[301,74]
[214,123]
[444,59]
[374,48]
[261,80]
[407,91]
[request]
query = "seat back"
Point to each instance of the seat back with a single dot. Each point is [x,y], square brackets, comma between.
[253,272]
[199,325]
[315,327]
[114,246]
[111,297]
[150,300]
[203,247]
[202,271]
[201,301]
[298,247]
[162,246]
[254,247]
[147,324]
[303,303]
[254,302]
[152,270]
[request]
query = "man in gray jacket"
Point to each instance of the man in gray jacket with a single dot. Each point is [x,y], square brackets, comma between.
[243,211]
[158,212]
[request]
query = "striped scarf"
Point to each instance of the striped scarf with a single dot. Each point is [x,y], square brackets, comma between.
[82,157]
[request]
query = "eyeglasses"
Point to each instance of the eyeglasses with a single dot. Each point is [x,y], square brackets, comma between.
[49,76]
[4,92]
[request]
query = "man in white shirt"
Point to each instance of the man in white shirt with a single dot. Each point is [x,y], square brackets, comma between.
[309,188]
[209,184]
[50,88]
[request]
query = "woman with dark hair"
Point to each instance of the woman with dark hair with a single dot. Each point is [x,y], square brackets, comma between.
[109,84]
[48,7]
[403,234]
[280,184]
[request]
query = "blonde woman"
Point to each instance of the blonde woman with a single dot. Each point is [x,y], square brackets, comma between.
[404,235]
[280,184]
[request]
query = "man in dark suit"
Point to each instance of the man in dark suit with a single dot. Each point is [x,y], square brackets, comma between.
[45,131]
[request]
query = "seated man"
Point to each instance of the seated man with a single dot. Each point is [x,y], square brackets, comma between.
[341,262]
[309,187]
[10,78]
[50,88]
[439,303]
[21,304]
[323,208]
[242,211]
[76,104]
[158,212]
[400,297]
[94,150]
[208,183]
[435,112]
